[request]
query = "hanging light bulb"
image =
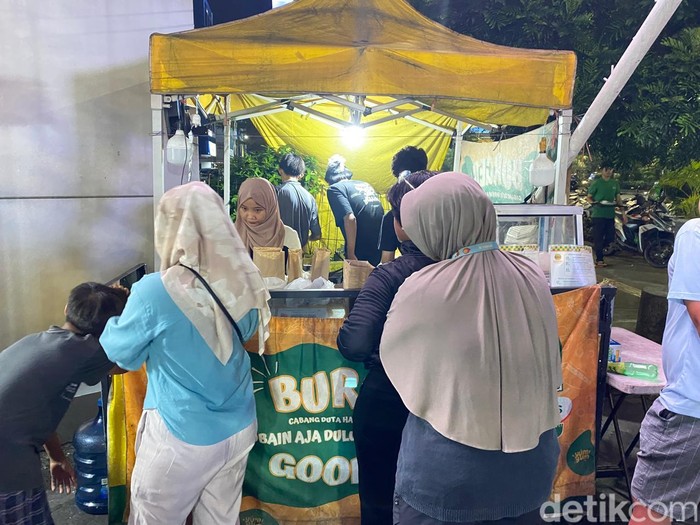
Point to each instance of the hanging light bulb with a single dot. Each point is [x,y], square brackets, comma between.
[178,149]
[542,169]
[353,136]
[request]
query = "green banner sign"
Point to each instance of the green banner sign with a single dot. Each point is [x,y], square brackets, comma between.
[305,455]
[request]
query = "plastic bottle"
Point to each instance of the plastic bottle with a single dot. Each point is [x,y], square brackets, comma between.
[91,465]
[640,370]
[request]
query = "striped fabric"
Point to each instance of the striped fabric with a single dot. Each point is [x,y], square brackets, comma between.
[667,475]
[26,507]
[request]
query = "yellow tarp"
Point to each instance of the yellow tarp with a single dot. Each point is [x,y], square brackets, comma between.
[370,161]
[365,47]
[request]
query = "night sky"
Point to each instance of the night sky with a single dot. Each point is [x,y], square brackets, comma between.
[227,10]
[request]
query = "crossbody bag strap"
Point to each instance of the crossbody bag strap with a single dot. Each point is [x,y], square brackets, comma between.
[218,301]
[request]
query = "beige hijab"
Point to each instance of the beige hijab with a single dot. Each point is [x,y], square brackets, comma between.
[269,233]
[193,228]
[471,343]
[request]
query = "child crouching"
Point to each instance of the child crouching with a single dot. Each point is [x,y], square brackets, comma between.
[39,375]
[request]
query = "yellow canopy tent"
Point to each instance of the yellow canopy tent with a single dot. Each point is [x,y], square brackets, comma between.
[377,64]
[365,47]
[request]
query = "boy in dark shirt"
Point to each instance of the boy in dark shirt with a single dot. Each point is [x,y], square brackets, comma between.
[408,159]
[357,210]
[39,375]
[298,208]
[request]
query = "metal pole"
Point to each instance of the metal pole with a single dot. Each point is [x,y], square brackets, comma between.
[227,155]
[649,31]
[456,162]
[157,145]
[561,191]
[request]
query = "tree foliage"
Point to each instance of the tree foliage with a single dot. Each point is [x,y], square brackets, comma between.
[662,113]
[263,163]
[655,119]
[686,182]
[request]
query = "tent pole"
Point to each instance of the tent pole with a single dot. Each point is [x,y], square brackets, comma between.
[458,146]
[227,154]
[561,190]
[195,166]
[655,22]
[157,146]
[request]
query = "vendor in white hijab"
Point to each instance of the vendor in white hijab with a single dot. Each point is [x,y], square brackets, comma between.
[198,423]
[471,345]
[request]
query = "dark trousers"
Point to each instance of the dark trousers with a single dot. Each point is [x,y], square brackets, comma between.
[378,421]
[404,514]
[603,235]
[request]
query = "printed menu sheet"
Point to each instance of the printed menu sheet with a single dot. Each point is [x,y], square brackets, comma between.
[570,266]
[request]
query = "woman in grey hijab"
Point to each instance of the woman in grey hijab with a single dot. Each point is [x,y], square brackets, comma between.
[471,345]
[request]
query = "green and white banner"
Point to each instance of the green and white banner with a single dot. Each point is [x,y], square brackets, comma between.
[303,469]
[502,168]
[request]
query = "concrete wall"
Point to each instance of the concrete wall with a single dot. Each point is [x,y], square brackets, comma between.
[76,180]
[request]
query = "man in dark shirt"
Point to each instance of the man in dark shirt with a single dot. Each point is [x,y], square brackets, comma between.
[380,415]
[298,208]
[39,375]
[357,210]
[408,159]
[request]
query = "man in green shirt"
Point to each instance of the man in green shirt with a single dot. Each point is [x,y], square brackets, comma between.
[604,194]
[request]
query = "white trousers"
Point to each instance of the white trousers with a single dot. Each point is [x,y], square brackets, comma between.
[171,477]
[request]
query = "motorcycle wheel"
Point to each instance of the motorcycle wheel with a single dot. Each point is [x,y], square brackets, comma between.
[658,252]
[610,249]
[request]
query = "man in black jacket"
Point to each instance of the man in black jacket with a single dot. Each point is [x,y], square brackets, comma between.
[380,415]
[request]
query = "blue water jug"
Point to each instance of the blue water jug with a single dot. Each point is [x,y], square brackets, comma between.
[91,465]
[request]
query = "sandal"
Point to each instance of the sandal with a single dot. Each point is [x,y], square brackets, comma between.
[600,264]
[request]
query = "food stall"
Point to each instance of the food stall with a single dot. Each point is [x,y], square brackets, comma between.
[303,468]
[291,70]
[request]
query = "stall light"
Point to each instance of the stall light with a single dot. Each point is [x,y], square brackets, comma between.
[542,169]
[353,136]
[178,149]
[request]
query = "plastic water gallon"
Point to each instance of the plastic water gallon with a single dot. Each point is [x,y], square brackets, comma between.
[91,465]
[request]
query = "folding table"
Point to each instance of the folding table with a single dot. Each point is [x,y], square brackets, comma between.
[637,349]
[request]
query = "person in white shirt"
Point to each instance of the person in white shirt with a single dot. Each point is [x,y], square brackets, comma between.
[666,483]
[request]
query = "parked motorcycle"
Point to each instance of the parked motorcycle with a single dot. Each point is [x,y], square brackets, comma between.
[647,228]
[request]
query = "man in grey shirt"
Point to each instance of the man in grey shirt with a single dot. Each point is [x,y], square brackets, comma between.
[298,208]
[39,375]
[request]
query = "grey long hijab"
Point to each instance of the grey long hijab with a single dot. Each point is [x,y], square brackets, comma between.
[471,343]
